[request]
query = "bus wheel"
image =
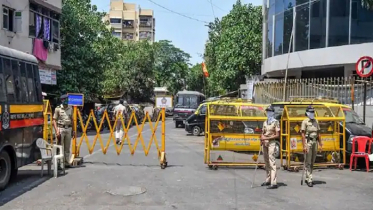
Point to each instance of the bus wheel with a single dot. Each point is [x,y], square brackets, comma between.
[5,169]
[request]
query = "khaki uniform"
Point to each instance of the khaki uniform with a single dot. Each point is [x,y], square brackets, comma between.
[119,110]
[63,117]
[311,129]
[269,149]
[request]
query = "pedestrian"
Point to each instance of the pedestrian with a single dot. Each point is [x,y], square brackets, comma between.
[271,132]
[62,123]
[310,136]
[119,110]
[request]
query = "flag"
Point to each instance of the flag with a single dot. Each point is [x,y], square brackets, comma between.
[204,69]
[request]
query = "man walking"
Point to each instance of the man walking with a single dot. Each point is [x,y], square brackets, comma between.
[119,110]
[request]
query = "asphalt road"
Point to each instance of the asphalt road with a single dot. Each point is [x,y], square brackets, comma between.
[137,182]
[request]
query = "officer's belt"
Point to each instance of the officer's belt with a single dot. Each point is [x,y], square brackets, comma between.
[312,139]
[64,126]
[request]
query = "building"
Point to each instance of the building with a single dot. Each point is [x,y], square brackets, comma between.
[130,23]
[33,26]
[330,36]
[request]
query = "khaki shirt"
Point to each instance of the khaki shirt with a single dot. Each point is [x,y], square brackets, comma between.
[311,127]
[271,129]
[63,116]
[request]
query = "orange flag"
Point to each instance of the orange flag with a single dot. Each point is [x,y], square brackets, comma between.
[204,69]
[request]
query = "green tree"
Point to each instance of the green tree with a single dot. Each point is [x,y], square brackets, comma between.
[234,48]
[88,49]
[195,78]
[171,66]
[367,4]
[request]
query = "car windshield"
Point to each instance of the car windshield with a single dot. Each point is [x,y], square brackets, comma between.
[187,101]
[352,117]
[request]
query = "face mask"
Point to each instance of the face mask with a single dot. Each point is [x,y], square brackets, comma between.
[270,116]
[310,115]
[65,102]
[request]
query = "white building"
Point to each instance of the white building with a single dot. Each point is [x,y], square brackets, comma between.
[23,22]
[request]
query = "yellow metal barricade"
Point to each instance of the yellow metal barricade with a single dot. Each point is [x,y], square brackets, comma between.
[48,126]
[233,127]
[330,122]
[126,125]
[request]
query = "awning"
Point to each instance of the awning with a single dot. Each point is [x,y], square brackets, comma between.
[47,5]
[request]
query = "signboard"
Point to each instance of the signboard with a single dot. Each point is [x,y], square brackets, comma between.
[364,66]
[48,76]
[163,101]
[75,99]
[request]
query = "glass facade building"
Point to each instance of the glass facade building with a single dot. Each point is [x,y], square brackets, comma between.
[318,24]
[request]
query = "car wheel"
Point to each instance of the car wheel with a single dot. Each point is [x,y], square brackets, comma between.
[277,150]
[196,130]
[5,169]
[176,124]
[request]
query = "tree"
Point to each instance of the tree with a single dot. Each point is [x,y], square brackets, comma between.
[171,66]
[88,49]
[234,48]
[195,78]
[367,4]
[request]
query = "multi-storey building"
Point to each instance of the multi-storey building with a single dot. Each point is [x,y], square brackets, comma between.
[131,23]
[330,36]
[33,26]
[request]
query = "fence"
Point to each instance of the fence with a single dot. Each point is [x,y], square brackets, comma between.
[348,90]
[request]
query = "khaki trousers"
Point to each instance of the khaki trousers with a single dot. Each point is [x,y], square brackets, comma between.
[310,158]
[270,162]
[66,143]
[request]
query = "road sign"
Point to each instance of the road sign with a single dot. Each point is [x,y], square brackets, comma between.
[75,99]
[364,66]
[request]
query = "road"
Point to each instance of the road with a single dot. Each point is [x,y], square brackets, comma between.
[137,182]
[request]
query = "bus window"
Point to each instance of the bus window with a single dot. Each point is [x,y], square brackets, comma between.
[9,81]
[17,82]
[30,83]
[24,83]
[37,84]
[2,83]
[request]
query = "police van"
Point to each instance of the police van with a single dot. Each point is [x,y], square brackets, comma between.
[21,112]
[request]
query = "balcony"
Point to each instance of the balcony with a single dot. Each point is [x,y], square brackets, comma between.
[146,22]
[143,35]
[128,36]
[128,23]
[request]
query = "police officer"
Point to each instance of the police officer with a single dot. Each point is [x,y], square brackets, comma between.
[62,123]
[310,136]
[271,132]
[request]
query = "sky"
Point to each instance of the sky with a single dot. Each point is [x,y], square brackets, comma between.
[186,33]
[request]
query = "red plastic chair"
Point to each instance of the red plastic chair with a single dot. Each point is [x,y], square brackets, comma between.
[361,150]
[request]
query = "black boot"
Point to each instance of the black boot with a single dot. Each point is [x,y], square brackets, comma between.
[273,186]
[265,184]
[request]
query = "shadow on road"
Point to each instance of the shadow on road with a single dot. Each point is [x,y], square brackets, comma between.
[25,181]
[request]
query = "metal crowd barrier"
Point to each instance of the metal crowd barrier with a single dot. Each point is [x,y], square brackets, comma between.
[233,127]
[332,136]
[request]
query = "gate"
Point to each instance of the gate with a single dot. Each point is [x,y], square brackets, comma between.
[125,125]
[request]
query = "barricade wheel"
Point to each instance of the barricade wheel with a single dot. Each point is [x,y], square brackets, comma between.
[284,168]
[163,165]
[340,166]
[296,169]
[210,167]
[215,167]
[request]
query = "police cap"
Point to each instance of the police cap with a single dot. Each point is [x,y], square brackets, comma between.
[64,96]
[270,109]
[310,109]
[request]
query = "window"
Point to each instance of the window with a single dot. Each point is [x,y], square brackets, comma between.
[44,23]
[2,83]
[339,21]
[145,35]
[203,110]
[128,23]
[116,34]
[17,83]
[30,83]
[37,84]
[24,91]
[8,18]
[9,81]
[115,20]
